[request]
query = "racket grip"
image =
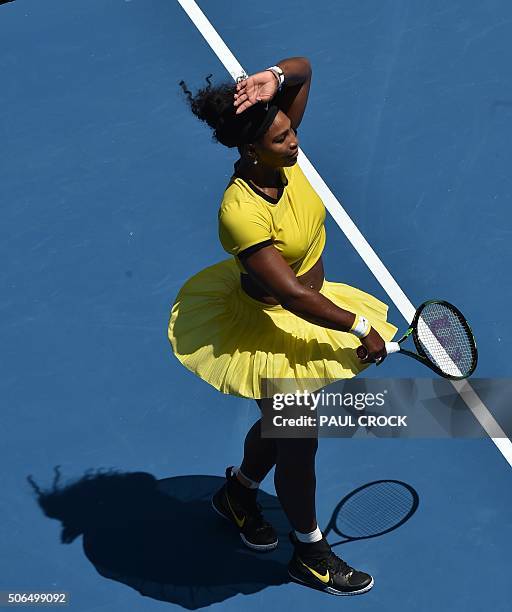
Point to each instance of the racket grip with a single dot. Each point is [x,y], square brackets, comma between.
[392,347]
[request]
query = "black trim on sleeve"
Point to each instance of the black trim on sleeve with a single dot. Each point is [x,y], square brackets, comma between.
[254,248]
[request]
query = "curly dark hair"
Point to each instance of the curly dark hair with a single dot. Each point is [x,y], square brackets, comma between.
[214,106]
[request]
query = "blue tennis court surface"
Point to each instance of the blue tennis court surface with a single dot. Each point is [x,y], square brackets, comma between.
[110,189]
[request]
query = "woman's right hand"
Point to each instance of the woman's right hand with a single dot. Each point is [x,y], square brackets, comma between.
[259,87]
[375,346]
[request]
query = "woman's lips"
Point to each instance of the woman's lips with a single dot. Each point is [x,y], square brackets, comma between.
[294,155]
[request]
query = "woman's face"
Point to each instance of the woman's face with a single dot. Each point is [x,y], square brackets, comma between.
[279,145]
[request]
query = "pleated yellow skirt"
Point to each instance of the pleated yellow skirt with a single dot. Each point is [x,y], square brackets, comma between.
[233,341]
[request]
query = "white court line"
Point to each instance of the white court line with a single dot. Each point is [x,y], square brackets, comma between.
[358,241]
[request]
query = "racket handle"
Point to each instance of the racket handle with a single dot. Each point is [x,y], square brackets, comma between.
[392,347]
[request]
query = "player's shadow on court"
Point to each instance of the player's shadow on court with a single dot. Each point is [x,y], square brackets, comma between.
[163,539]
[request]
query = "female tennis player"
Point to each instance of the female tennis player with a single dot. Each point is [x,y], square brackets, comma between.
[269,313]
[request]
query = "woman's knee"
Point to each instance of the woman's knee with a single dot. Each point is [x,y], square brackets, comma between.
[294,449]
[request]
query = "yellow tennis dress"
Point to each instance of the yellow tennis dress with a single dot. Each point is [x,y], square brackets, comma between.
[235,342]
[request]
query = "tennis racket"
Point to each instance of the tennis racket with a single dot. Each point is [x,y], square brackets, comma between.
[372,510]
[443,339]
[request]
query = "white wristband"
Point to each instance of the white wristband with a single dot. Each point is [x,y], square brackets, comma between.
[361,327]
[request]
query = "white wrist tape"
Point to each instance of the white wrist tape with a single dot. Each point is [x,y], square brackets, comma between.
[361,327]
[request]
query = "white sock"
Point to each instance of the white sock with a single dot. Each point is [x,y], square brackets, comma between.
[309,538]
[250,484]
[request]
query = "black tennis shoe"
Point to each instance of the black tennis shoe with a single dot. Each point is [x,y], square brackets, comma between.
[316,566]
[238,505]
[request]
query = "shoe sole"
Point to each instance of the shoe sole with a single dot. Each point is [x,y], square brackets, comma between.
[330,590]
[260,547]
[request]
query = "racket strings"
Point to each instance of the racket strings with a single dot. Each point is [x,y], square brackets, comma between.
[358,522]
[374,510]
[364,521]
[383,507]
[445,339]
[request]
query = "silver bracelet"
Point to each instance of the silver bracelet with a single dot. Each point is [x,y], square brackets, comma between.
[277,71]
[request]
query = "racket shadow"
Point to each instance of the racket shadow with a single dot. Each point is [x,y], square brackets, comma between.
[372,510]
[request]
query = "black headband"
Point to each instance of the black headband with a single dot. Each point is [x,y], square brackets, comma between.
[260,120]
[251,123]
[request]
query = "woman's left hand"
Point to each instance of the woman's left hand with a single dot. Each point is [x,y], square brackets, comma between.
[375,348]
[259,87]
